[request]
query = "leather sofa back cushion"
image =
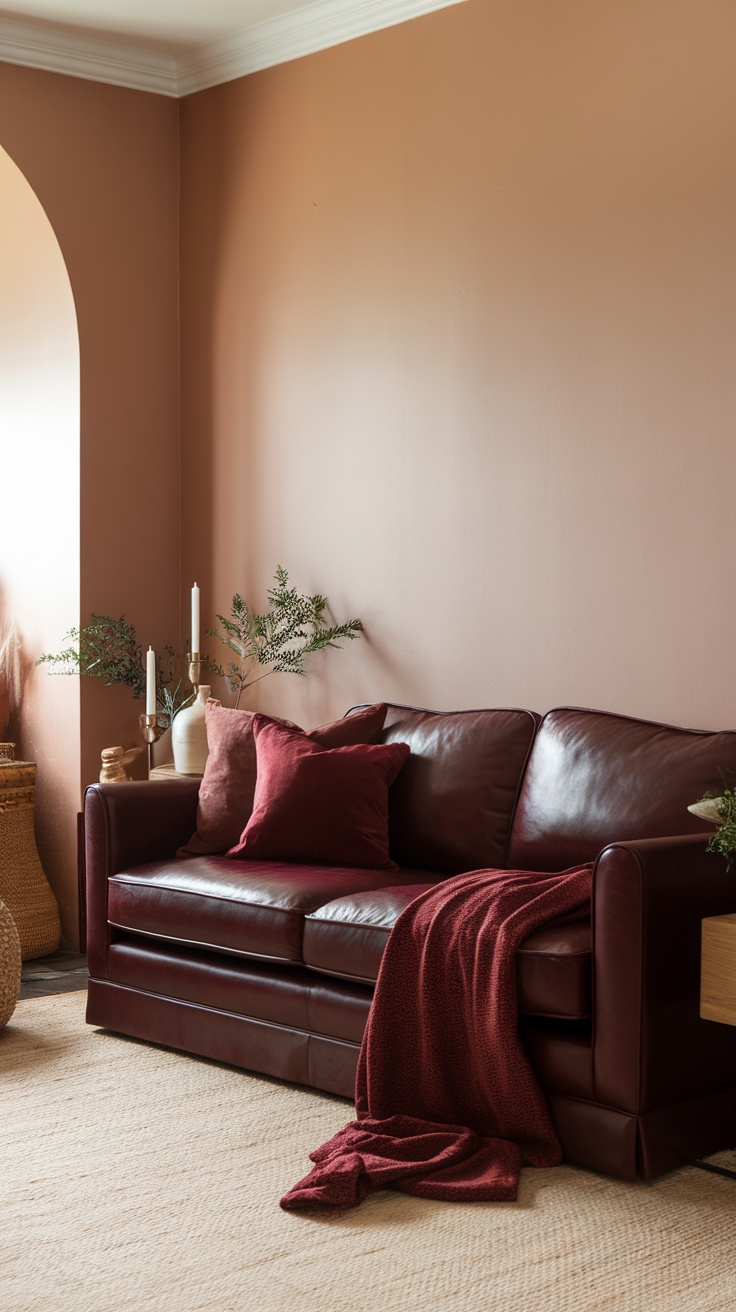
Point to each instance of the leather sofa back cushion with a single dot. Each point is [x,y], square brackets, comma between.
[594,778]
[227,788]
[450,809]
[315,803]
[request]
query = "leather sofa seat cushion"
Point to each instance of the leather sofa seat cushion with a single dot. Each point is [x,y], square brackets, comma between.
[553,972]
[347,938]
[451,807]
[253,910]
[595,778]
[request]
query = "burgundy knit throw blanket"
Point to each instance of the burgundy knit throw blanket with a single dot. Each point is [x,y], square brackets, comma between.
[447,1104]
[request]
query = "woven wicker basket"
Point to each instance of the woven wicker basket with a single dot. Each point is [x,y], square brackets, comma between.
[23,885]
[9,965]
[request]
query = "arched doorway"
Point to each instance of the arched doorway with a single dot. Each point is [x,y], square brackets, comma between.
[40,510]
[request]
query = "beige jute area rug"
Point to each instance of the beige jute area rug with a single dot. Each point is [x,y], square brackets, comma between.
[134,1178]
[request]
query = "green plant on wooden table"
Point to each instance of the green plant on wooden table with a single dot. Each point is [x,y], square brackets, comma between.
[724,839]
[291,628]
[108,649]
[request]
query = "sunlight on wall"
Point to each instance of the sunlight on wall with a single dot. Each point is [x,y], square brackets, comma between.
[39,507]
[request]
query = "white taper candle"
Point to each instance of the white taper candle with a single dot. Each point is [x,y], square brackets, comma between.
[195,618]
[150,682]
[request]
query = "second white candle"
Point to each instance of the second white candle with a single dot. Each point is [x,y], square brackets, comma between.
[195,619]
[150,682]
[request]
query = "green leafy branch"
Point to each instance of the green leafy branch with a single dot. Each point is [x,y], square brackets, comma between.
[108,649]
[292,628]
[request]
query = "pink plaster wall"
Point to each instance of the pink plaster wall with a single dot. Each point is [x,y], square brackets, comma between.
[458,333]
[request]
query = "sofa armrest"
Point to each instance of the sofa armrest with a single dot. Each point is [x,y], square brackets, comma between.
[126,825]
[650,1047]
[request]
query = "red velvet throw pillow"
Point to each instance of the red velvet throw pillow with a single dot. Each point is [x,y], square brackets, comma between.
[316,803]
[228,784]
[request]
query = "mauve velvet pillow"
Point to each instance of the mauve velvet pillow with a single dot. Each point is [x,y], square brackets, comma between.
[229,780]
[319,804]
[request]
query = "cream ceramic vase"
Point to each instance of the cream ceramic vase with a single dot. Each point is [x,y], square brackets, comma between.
[189,736]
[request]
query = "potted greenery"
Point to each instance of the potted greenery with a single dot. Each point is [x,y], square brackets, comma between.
[278,640]
[721,811]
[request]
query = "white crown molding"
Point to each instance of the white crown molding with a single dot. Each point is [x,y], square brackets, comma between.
[91,57]
[304,31]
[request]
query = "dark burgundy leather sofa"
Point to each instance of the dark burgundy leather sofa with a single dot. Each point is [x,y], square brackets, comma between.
[270,966]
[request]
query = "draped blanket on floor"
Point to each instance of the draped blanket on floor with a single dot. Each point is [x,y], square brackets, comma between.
[447,1103]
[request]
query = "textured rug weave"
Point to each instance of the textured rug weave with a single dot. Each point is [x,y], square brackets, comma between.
[136,1179]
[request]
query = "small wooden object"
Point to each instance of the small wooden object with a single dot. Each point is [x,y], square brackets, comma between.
[718,969]
[114,761]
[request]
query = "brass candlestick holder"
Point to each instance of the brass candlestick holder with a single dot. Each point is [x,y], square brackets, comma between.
[194,670]
[151,730]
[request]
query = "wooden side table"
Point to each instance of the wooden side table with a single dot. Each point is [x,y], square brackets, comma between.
[718,987]
[169,771]
[718,969]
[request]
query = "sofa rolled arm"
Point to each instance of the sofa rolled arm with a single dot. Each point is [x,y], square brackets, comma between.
[127,825]
[650,1047]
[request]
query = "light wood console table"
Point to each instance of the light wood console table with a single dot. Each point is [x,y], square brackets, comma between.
[718,969]
[169,771]
[718,987]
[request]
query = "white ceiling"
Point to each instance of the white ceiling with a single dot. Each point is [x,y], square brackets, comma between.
[169,26]
[178,46]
